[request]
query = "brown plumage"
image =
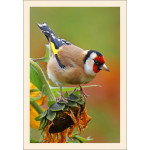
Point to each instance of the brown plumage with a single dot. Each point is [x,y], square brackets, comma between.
[74,72]
[70,64]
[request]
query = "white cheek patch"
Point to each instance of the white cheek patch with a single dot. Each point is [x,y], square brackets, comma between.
[88,66]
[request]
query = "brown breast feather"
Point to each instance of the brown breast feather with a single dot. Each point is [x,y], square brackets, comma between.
[71,57]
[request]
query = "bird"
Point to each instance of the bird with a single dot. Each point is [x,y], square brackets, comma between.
[70,64]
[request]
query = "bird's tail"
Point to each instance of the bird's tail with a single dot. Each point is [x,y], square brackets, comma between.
[46,31]
[50,35]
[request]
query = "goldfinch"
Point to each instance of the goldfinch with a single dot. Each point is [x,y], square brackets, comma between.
[70,64]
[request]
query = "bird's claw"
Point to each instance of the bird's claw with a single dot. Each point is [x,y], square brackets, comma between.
[62,98]
[82,93]
[84,96]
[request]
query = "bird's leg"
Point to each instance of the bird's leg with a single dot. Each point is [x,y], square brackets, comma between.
[82,93]
[61,96]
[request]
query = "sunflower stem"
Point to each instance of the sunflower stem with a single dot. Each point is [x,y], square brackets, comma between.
[38,59]
[49,94]
[37,107]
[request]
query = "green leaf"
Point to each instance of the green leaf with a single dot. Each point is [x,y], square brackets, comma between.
[43,123]
[34,90]
[57,107]
[37,107]
[38,118]
[81,102]
[50,115]
[73,97]
[38,79]
[62,102]
[81,139]
[56,93]
[72,104]
[66,94]
[35,78]
[75,140]
[33,141]
[44,114]
[35,98]
[41,138]
[46,57]
[57,115]
[66,108]
[50,103]
[76,93]
[78,139]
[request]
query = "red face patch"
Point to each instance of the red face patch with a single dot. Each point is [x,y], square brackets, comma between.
[101,60]
[95,68]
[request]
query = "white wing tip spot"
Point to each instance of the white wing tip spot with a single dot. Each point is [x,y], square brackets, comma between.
[41,25]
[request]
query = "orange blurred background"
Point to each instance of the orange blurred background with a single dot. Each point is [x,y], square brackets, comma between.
[89,28]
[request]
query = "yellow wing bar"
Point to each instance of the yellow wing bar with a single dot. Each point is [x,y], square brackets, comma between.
[55,51]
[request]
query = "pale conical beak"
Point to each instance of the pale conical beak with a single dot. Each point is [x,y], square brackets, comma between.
[104,67]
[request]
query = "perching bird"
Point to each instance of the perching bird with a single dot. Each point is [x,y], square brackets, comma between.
[70,64]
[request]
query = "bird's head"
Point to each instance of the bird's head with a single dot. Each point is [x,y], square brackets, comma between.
[94,62]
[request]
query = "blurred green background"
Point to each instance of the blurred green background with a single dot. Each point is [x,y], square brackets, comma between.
[96,28]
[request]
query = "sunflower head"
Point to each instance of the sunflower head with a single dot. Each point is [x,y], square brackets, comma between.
[59,120]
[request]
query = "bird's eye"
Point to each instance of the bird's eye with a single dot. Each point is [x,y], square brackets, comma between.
[96,62]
